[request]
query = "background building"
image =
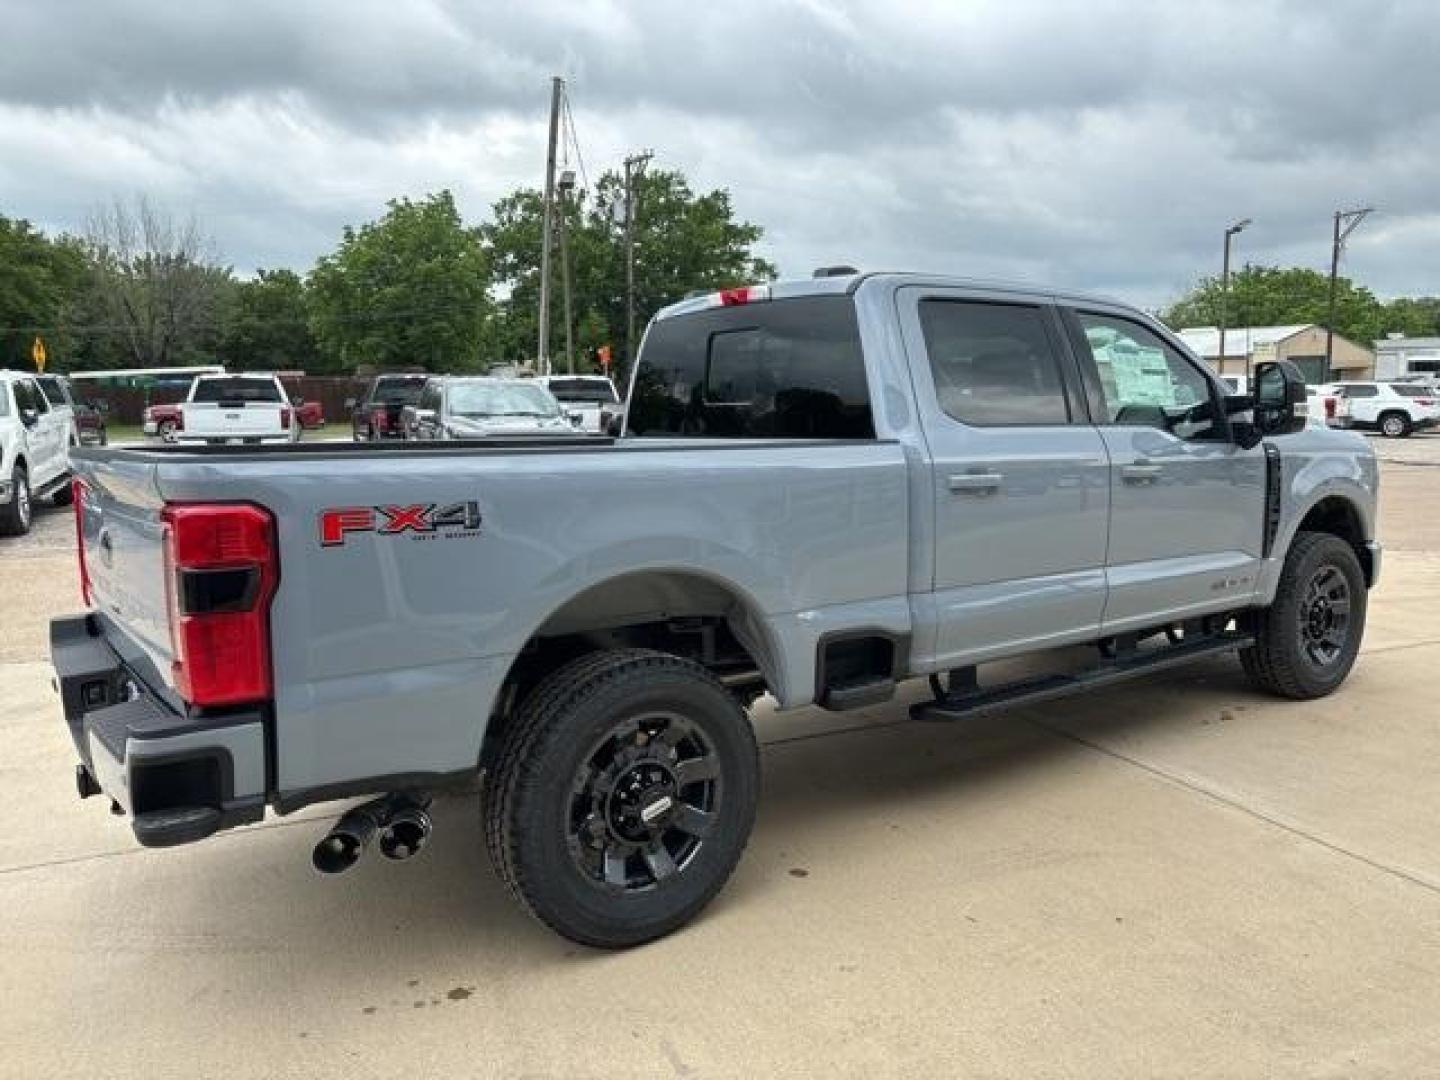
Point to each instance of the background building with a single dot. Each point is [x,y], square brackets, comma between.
[1397,356]
[1303,344]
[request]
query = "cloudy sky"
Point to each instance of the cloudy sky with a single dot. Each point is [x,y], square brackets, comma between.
[1096,144]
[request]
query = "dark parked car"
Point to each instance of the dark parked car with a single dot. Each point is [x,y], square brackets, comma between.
[376,415]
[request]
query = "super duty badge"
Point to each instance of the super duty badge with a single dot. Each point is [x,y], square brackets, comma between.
[423,519]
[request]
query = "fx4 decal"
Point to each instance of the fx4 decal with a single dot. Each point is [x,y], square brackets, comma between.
[421,518]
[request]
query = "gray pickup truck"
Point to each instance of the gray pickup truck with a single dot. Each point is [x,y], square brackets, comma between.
[823,488]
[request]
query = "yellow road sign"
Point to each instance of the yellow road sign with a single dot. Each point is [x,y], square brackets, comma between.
[37,353]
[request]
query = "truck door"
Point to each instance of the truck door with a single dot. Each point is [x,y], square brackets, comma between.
[46,437]
[1186,503]
[1019,476]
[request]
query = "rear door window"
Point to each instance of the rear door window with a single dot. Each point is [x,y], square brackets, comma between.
[994,365]
[790,369]
[53,390]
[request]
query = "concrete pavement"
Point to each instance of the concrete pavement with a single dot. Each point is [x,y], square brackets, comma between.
[1178,877]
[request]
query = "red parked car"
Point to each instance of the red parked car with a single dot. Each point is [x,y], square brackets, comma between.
[162,420]
[311,414]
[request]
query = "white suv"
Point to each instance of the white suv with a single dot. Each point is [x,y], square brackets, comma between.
[1393,409]
[36,441]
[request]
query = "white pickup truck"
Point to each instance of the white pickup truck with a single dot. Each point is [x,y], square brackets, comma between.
[244,408]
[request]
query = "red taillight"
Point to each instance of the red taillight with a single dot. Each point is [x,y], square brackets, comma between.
[284,418]
[378,417]
[1427,402]
[220,573]
[1330,408]
[746,294]
[78,490]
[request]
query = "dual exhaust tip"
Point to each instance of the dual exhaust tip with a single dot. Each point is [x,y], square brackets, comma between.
[401,821]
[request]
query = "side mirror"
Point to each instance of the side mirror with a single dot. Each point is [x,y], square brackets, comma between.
[28,417]
[350,403]
[297,401]
[615,427]
[1282,406]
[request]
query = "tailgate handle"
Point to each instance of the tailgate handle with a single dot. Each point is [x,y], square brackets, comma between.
[980,482]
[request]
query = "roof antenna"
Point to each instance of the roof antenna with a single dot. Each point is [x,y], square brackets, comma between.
[834,271]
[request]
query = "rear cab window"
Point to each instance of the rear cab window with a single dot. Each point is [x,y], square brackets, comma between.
[215,391]
[787,369]
[584,391]
[403,389]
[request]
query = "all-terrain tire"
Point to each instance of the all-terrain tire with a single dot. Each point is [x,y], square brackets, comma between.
[1394,425]
[529,797]
[15,515]
[1288,657]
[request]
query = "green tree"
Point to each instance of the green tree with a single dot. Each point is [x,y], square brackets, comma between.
[407,290]
[266,324]
[1275,296]
[1413,317]
[683,242]
[40,281]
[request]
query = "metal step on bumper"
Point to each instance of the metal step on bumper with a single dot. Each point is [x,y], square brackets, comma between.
[974,701]
[180,776]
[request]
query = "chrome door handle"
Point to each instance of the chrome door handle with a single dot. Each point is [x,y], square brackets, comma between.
[975,481]
[1141,472]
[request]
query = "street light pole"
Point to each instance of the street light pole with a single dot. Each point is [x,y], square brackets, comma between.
[1346,221]
[1239,226]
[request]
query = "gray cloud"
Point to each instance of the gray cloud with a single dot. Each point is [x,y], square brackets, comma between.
[1099,145]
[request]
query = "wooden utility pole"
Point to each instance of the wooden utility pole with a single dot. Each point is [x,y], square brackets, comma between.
[1349,219]
[542,352]
[634,170]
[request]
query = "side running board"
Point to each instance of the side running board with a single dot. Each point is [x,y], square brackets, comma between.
[971,700]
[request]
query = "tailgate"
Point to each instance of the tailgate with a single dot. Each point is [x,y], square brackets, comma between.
[228,419]
[124,551]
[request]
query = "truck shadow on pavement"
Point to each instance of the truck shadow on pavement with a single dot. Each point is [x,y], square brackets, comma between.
[837,801]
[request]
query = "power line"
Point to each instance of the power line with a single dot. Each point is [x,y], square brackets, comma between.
[574,138]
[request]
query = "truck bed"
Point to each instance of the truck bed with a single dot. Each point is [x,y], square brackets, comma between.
[388,649]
